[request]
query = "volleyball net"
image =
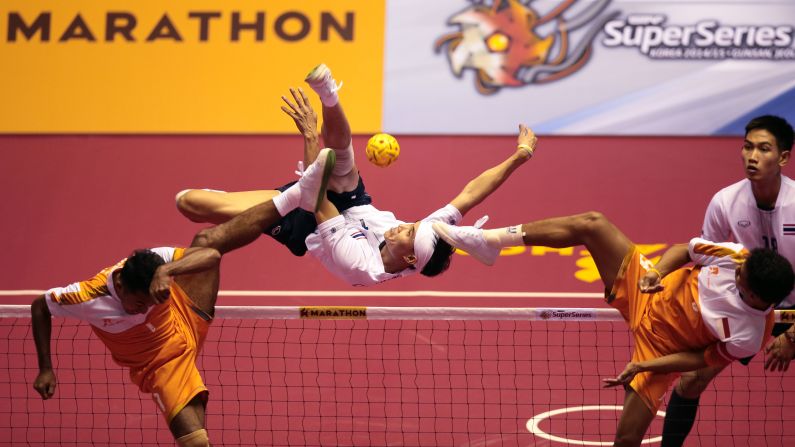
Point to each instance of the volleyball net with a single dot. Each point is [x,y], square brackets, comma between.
[356,376]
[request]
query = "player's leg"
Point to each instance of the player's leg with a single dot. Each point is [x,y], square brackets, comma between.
[188,426]
[308,194]
[635,420]
[606,243]
[202,288]
[336,129]
[241,230]
[680,415]
[211,206]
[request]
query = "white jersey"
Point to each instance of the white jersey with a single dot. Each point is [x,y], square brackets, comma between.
[349,245]
[733,215]
[96,302]
[740,328]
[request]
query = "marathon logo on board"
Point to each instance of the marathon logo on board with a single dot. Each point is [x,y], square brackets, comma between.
[333,313]
[704,40]
[550,314]
[199,26]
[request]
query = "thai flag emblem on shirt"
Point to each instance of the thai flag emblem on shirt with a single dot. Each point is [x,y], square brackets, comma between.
[358,235]
[789,229]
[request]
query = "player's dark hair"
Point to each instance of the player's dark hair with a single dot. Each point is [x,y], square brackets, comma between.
[770,275]
[139,269]
[777,126]
[440,259]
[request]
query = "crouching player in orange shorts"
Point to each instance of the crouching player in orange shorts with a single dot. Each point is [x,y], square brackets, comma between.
[682,319]
[152,311]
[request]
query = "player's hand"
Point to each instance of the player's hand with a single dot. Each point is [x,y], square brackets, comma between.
[160,288]
[651,282]
[301,112]
[45,383]
[625,377]
[779,353]
[526,139]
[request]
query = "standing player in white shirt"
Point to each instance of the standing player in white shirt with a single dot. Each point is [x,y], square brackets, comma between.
[355,241]
[758,211]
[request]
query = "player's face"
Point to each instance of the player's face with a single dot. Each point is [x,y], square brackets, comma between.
[761,156]
[749,297]
[400,241]
[136,303]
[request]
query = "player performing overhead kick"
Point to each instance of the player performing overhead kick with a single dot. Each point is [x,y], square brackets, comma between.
[354,240]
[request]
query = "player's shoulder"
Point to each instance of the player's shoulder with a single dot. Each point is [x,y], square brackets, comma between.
[448,213]
[736,194]
[168,254]
[735,189]
[786,197]
[788,188]
[699,245]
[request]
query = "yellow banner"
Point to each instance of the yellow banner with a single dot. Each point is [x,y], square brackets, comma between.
[182,66]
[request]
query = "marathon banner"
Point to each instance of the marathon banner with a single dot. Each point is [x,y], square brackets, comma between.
[587,67]
[567,67]
[181,66]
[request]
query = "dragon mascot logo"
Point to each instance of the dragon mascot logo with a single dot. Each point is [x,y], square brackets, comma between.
[508,44]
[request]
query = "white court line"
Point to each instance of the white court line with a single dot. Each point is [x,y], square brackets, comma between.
[535,421]
[342,293]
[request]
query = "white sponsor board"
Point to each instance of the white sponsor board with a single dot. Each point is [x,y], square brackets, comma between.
[587,67]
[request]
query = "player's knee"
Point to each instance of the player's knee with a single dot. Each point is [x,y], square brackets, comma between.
[198,438]
[590,222]
[205,238]
[691,386]
[185,204]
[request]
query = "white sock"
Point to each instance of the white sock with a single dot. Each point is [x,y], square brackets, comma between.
[344,162]
[505,237]
[288,200]
[329,98]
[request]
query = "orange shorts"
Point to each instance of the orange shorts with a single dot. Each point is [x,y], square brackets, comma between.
[634,305]
[166,365]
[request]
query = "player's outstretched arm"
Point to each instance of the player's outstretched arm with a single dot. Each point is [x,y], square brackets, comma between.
[41,320]
[305,119]
[678,362]
[195,260]
[675,257]
[491,179]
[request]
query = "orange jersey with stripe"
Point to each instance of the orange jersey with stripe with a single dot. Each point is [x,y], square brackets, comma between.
[159,347]
[95,301]
[701,307]
[698,309]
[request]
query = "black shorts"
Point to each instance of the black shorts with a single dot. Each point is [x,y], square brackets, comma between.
[293,228]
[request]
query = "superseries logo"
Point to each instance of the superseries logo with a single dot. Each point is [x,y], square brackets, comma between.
[508,43]
[706,39]
[553,314]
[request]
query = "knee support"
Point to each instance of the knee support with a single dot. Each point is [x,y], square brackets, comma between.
[344,163]
[198,438]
